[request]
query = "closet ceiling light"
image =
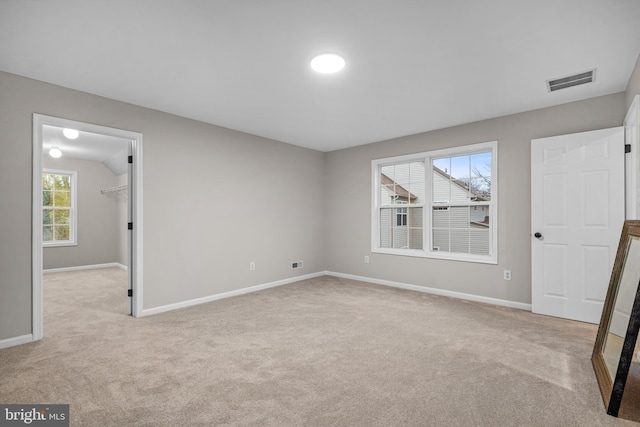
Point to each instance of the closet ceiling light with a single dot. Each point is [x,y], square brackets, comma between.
[327,63]
[55,152]
[70,133]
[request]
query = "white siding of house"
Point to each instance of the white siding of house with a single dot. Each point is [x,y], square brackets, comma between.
[452,228]
[479,241]
[386,225]
[415,221]
[473,240]
[441,189]
[445,191]
[394,236]
[409,176]
[386,194]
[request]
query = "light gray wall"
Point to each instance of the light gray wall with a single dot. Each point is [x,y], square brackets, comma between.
[15,211]
[633,87]
[348,196]
[97,217]
[214,199]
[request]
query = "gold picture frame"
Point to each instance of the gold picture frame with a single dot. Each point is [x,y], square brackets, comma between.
[615,344]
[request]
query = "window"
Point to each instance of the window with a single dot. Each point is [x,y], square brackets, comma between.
[58,208]
[438,204]
[401,215]
[401,194]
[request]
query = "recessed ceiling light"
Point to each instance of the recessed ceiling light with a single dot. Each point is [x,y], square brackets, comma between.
[55,152]
[70,133]
[327,63]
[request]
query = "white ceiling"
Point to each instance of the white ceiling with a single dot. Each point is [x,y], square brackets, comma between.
[110,150]
[412,65]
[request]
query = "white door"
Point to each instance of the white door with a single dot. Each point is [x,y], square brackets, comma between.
[577,212]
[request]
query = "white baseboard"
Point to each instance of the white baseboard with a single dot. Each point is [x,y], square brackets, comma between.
[23,339]
[86,267]
[453,294]
[197,301]
[442,292]
[10,342]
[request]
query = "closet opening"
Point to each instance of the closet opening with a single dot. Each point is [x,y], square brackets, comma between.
[87,213]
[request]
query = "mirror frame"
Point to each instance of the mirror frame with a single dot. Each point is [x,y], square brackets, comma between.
[613,388]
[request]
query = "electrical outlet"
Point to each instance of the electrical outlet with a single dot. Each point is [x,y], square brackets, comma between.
[507,275]
[366,259]
[252,266]
[297,264]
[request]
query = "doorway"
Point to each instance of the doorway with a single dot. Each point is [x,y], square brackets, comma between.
[119,151]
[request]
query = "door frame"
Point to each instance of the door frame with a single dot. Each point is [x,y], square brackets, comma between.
[632,159]
[135,201]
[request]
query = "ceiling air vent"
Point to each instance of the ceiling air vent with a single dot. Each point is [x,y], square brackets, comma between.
[575,80]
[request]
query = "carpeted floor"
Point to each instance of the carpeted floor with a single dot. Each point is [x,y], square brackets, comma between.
[320,352]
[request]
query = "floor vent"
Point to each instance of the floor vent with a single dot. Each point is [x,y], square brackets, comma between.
[575,80]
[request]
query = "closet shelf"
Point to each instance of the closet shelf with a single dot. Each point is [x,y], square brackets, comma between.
[119,193]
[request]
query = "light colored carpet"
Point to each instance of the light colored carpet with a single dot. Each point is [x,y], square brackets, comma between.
[320,352]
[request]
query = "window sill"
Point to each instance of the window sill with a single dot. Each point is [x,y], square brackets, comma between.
[481,259]
[58,244]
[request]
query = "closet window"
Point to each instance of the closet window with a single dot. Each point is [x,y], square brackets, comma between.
[59,214]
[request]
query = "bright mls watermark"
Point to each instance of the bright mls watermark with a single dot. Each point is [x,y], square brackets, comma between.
[34,415]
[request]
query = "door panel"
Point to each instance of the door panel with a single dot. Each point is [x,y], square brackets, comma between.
[577,206]
[555,194]
[555,277]
[595,272]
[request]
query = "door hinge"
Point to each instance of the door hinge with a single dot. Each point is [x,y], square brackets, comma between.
[129,292]
[130,226]
[130,160]
[627,148]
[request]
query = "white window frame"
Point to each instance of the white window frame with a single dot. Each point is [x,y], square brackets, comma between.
[73,214]
[427,158]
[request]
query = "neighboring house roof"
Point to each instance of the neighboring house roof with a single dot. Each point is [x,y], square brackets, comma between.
[404,193]
[476,196]
[399,189]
